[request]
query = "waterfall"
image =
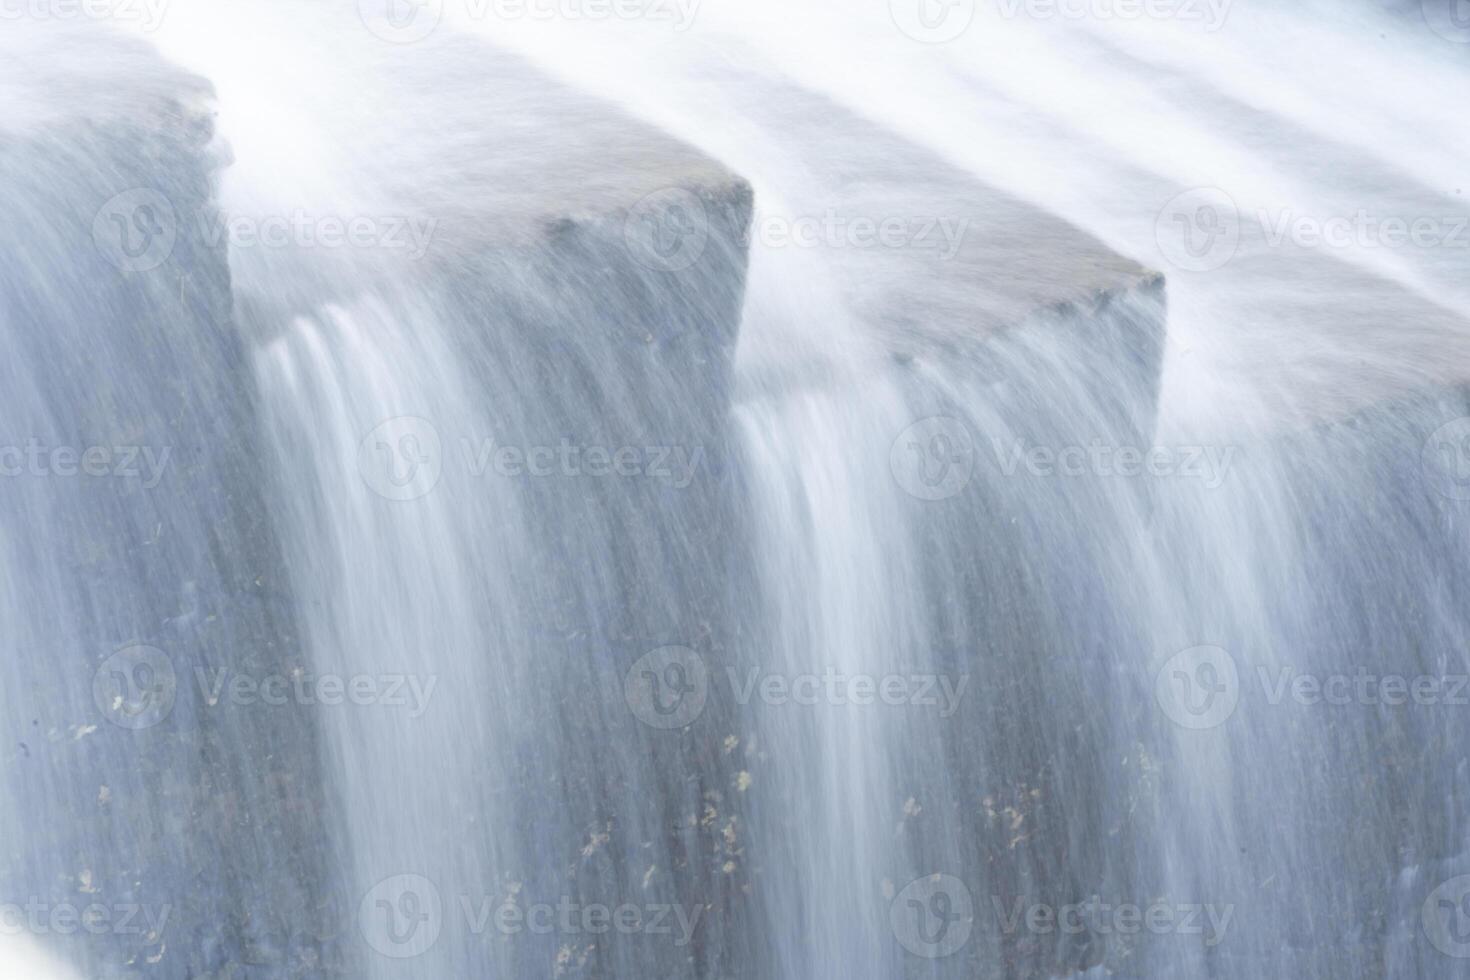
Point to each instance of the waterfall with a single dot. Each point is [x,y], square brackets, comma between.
[735,490]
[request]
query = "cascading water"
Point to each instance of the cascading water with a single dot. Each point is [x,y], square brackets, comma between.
[941,518]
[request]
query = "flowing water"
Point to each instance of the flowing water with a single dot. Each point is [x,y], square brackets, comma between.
[732,594]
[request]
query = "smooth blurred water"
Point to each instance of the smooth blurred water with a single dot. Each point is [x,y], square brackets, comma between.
[1104,715]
